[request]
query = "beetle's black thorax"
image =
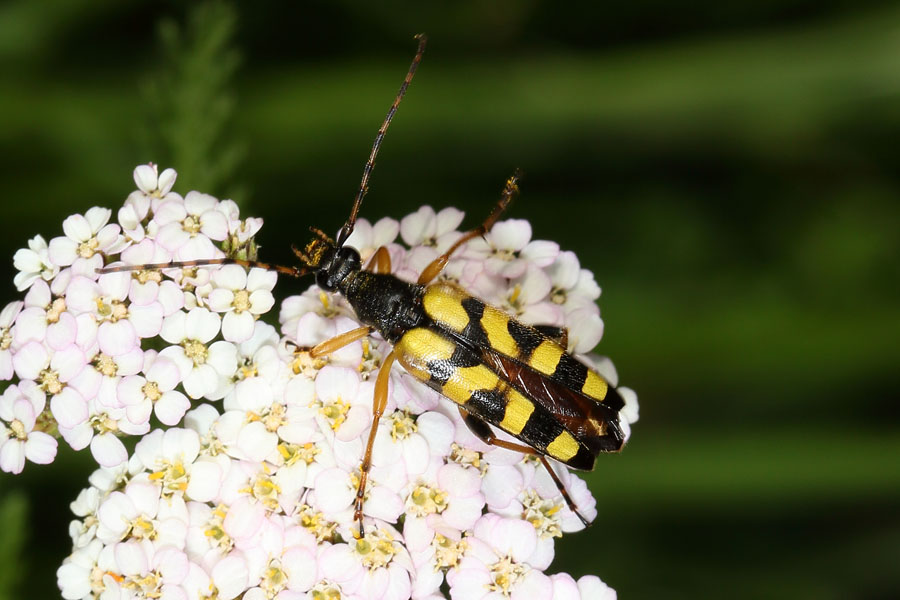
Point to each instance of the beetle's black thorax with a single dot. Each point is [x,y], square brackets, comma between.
[390,305]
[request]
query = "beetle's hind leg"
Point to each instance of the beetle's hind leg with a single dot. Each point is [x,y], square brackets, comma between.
[437,265]
[483,431]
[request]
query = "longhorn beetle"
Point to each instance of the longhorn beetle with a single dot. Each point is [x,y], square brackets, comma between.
[500,372]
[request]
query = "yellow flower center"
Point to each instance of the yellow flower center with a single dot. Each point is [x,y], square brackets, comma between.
[241,301]
[448,553]
[49,382]
[316,523]
[57,307]
[151,391]
[505,573]
[196,351]
[106,365]
[89,248]
[426,500]
[376,549]
[191,225]
[402,425]
[542,513]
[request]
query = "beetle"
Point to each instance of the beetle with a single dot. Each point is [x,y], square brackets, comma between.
[500,372]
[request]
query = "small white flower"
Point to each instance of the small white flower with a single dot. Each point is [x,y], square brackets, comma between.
[242,297]
[33,263]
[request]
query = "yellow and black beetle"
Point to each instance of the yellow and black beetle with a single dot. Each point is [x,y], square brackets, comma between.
[499,371]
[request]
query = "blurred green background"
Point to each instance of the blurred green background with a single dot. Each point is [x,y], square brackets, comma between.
[728,171]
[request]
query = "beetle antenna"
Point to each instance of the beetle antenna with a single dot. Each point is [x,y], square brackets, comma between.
[347,229]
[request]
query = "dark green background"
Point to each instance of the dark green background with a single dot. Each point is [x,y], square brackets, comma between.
[728,171]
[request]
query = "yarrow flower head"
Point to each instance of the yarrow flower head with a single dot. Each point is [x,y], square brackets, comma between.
[248,490]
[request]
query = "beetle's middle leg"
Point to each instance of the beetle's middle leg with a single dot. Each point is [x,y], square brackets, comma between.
[437,265]
[379,402]
[483,431]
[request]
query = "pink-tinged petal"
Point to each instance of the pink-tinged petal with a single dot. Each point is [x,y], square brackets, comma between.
[30,360]
[164,372]
[62,333]
[534,586]
[205,481]
[69,408]
[260,279]
[500,485]
[339,564]
[221,300]
[223,358]
[131,558]
[166,181]
[510,270]
[96,217]
[40,448]
[230,576]
[534,286]
[68,363]
[170,212]
[171,297]
[230,277]
[62,251]
[334,491]
[437,431]
[237,327]
[145,178]
[147,320]
[564,270]
[12,456]
[170,408]
[108,238]
[469,583]
[261,301]
[139,412]
[310,329]
[31,325]
[564,587]
[512,234]
[300,564]
[197,248]
[383,503]
[77,228]
[23,411]
[540,252]
[592,588]
[77,437]
[463,512]
[357,420]
[202,325]
[244,518]
[171,236]
[256,442]
[337,383]
[416,455]
[586,333]
[86,336]
[418,226]
[39,296]
[461,481]
[202,380]
[174,329]
[117,338]
[6,366]
[197,203]
[542,313]
[108,450]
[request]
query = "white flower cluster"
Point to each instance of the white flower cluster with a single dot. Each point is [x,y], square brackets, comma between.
[252,496]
